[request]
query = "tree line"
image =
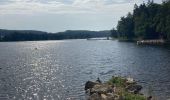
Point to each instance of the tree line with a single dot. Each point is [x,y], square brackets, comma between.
[148,21]
[28,35]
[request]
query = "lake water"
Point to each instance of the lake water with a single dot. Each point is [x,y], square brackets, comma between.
[58,70]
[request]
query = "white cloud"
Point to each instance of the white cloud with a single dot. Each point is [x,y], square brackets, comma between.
[60,15]
[61,6]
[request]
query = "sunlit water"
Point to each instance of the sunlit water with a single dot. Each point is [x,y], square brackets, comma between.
[58,70]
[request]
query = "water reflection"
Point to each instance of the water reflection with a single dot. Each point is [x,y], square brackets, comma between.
[57,70]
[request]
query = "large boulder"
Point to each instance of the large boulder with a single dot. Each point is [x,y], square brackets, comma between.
[102,89]
[134,88]
[90,84]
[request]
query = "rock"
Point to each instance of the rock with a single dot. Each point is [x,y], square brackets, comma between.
[130,81]
[95,96]
[104,97]
[111,96]
[133,88]
[90,84]
[108,96]
[101,89]
[116,97]
[149,98]
[105,91]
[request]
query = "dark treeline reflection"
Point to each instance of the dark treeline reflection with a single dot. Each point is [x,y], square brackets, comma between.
[148,21]
[16,35]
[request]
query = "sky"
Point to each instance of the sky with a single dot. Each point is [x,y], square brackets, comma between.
[61,15]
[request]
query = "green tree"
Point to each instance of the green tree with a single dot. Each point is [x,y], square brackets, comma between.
[125,27]
[114,33]
[148,21]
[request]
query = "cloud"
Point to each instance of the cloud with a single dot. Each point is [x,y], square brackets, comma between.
[64,6]
[61,15]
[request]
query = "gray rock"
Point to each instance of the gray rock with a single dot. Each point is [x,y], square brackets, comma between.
[101,89]
[90,84]
[149,98]
[95,96]
[134,88]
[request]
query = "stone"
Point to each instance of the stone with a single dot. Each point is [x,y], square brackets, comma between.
[149,98]
[95,96]
[90,84]
[101,89]
[103,97]
[104,91]
[130,81]
[111,96]
[133,88]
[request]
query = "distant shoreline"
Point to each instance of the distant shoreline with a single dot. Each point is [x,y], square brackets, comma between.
[22,35]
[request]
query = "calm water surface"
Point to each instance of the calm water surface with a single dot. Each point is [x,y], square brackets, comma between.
[58,70]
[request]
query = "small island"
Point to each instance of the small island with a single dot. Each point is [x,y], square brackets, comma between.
[117,88]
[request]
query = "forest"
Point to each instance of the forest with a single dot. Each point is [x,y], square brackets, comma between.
[148,21]
[31,35]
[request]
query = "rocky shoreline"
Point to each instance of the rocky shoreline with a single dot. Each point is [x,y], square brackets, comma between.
[117,88]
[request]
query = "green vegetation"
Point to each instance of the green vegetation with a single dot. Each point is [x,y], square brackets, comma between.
[114,33]
[148,21]
[130,96]
[30,35]
[121,84]
[118,81]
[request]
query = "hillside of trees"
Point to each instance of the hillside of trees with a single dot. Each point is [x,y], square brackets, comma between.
[30,35]
[148,21]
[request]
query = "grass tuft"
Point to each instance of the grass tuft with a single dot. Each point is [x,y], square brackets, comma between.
[118,81]
[130,96]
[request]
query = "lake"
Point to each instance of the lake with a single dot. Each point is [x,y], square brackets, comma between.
[58,70]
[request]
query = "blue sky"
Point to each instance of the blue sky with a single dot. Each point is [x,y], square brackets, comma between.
[61,15]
